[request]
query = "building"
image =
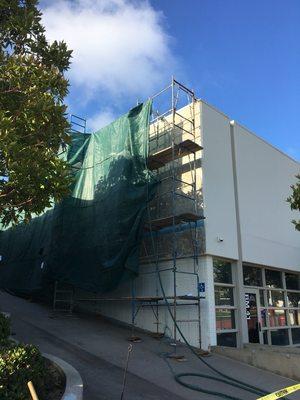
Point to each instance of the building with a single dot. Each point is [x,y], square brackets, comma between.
[219,236]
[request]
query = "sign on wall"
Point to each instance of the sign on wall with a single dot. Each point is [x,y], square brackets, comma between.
[201,287]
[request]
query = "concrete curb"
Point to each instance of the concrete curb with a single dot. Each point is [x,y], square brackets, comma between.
[74,385]
[281,361]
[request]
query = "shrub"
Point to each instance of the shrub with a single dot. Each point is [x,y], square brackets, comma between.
[18,365]
[4,328]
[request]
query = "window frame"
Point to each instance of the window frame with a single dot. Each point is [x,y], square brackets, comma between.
[228,307]
[286,307]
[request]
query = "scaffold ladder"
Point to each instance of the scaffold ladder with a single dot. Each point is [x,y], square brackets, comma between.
[63,298]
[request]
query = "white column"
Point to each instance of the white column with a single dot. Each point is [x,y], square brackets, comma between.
[207,309]
[241,317]
[240,300]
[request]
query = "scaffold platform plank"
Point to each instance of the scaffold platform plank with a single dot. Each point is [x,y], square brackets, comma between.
[161,223]
[143,298]
[162,157]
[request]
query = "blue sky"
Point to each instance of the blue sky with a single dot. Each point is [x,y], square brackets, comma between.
[241,56]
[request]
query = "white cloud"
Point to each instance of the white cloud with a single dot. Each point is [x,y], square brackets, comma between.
[119,46]
[100,120]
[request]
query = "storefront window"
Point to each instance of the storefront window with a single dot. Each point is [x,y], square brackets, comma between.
[224,303]
[223,296]
[278,306]
[292,281]
[280,337]
[225,318]
[277,317]
[252,276]
[265,337]
[226,339]
[263,317]
[294,317]
[293,299]
[296,335]
[222,271]
[273,278]
[262,298]
[275,298]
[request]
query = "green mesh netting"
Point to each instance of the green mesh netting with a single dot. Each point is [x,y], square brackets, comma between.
[91,239]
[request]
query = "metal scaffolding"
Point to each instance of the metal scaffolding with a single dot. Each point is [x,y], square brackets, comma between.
[175,211]
[173,148]
[77,124]
[63,294]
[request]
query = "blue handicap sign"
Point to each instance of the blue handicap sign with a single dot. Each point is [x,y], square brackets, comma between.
[201,287]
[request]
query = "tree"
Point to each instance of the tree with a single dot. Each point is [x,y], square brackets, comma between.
[294,200]
[33,124]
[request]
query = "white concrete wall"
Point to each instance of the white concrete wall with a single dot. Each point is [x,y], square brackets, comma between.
[208,311]
[218,189]
[146,285]
[264,176]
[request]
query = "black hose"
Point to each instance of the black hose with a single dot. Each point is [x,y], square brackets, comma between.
[224,378]
[228,380]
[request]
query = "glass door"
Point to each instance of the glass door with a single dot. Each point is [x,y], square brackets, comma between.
[253,315]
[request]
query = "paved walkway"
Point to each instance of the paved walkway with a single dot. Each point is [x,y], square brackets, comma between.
[98,350]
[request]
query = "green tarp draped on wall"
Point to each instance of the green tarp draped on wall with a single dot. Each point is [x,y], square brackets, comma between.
[91,239]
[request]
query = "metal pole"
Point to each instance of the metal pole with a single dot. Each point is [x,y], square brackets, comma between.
[157,284]
[195,237]
[174,244]
[125,371]
[54,295]
[132,307]
[199,311]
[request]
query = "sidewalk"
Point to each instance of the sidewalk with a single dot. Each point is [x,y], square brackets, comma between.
[98,350]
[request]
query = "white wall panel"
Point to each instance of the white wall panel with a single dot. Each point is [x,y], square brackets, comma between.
[264,176]
[147,285]
[218,189]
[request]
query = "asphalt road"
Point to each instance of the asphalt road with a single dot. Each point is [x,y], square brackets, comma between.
[98,350]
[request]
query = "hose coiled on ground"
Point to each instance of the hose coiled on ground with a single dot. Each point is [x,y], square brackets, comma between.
[223,377]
